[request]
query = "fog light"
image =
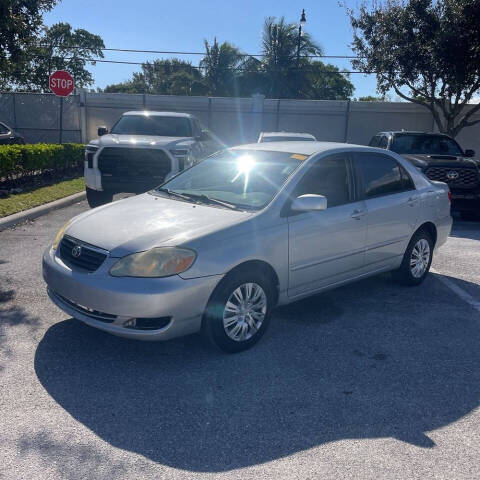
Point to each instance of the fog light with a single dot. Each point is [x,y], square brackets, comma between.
[147,323]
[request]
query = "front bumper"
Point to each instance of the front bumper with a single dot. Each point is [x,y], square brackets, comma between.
[466,200]
[107,302]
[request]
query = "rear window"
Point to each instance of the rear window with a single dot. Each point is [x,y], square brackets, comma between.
[153,125]
[381,174]
[425,145]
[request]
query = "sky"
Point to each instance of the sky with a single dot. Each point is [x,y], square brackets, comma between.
[183,26]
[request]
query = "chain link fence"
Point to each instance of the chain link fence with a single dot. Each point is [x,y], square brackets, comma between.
[42,118]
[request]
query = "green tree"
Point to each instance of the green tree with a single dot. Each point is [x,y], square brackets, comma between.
[279,63]
[20,22]
[221,65]
[427,51]
[163,77]
[62,48]
[326,83]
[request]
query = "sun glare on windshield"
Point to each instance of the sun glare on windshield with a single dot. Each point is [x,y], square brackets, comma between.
[244,164]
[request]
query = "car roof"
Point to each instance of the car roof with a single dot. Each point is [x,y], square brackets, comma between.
[154,113]
[286,134]
[411,132]
[303,148]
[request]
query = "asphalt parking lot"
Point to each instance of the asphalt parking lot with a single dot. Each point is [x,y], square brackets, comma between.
[372,380]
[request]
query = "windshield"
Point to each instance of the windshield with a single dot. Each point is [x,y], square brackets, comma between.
[246,179]
[287,139]
[425,145]
[153,125]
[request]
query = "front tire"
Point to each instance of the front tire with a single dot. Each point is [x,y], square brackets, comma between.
[239,310]
[416,260]
[95,198]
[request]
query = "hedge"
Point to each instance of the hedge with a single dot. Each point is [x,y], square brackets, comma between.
[25,160]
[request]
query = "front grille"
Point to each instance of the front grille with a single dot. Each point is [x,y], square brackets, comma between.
[84,256]
[95,314]
[467,177]
[134,164]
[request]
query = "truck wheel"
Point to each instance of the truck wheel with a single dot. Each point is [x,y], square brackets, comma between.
[96,198]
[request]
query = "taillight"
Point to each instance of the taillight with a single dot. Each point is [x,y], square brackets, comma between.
[450,196]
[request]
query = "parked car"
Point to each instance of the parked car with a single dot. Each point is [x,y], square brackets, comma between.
[441,158]
[285,137]
[217,247]
[143,149]
[8,136]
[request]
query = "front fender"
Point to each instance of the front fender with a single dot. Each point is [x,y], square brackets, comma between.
[220,254]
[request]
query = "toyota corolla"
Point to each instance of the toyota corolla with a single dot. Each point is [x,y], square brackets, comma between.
[217,247]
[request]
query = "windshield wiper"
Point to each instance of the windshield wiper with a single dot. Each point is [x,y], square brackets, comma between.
[199,197]
[171,193]
[206,199]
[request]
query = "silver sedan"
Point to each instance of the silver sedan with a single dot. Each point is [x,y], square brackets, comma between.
[217,247]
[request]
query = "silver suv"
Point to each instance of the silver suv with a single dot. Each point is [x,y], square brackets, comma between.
[142,150]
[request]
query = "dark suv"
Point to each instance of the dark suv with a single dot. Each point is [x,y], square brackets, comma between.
[439,157]
[8,136]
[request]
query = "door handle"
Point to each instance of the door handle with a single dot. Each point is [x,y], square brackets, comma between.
[358,214]
[412,201]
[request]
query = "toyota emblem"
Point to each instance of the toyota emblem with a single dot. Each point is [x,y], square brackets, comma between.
[76,251]
[452,175]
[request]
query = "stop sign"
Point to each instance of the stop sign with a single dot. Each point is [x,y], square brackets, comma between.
[61,83]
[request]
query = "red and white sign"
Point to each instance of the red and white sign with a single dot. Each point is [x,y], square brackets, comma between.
[61,83]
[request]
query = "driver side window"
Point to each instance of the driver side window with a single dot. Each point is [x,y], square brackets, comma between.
[328,177]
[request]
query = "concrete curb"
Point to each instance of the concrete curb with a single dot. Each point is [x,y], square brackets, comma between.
[19,217]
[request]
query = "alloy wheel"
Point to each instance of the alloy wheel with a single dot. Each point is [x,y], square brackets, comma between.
[244,312]
[420,258]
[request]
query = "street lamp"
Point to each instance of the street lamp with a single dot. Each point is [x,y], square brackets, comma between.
[303,21]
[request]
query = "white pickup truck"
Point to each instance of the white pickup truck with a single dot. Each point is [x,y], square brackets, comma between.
[143,149]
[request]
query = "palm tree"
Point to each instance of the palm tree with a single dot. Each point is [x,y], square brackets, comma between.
[221,65]
[279,50]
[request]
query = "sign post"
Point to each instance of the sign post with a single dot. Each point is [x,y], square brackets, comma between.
[61,83]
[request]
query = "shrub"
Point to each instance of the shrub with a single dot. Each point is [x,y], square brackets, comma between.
[26,160]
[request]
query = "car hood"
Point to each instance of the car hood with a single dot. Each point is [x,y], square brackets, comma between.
[138,223]
[114,140]
[423,161]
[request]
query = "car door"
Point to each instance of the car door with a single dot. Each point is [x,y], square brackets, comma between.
[326,247]
[392,204]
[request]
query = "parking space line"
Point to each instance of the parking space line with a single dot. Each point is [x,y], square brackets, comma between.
[459,291]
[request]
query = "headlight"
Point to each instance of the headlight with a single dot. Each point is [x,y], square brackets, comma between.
[89,154]
[59,235]
[185,160]
[157,262]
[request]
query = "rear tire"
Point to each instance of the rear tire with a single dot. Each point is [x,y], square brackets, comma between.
[96,198]
[416,260]
[239,310]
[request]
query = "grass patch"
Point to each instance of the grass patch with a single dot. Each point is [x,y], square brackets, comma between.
[39,196]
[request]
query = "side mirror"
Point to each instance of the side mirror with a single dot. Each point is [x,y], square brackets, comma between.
[309,203]
[203,136]
[469,153]
[102,131]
